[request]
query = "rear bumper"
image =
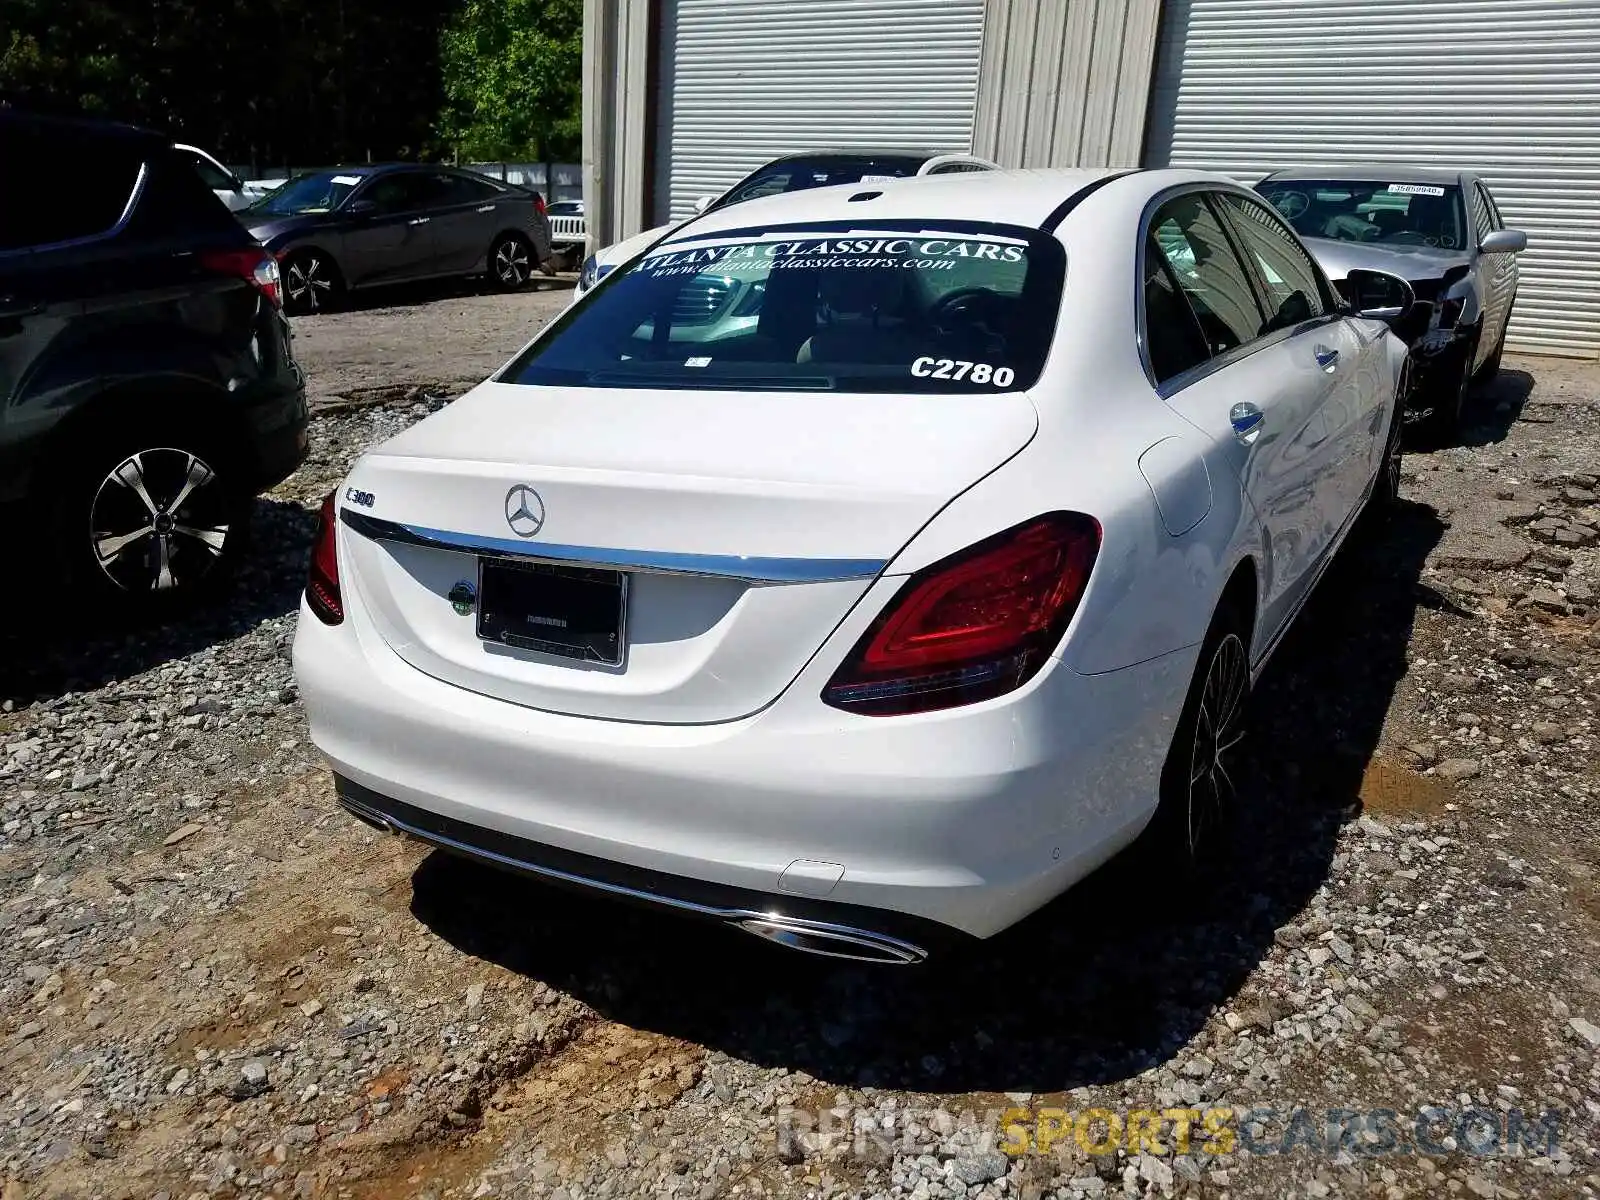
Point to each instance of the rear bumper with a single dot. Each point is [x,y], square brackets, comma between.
[920,827]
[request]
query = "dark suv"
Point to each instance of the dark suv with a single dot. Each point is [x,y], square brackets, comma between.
[147,388]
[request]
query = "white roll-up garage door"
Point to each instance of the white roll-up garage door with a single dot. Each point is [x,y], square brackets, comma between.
[1509,89]
[743,81]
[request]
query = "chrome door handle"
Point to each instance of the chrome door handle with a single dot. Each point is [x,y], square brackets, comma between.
[1246,419]
[486,208]
[419,220]
[1326,357]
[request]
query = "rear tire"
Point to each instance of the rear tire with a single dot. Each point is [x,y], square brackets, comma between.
[146,521]
[511,263]
[311,283]
[1198,798]
[1385,494]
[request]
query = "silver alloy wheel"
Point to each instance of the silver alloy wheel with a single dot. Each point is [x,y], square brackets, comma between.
[1218,730]
[159,521]
[308,282]
[511,263]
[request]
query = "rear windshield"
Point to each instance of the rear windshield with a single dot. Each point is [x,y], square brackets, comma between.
[1377,211]
[888,307]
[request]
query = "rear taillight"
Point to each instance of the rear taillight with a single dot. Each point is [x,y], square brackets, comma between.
[539,204]
[254,265]
[974,626]
[322,580]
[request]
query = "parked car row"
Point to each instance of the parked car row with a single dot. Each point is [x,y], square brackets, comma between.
[956,588]
[1440,231]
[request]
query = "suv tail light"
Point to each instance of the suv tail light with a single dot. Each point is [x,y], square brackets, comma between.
[254,265]
[322,580]
[974,626]
[539,204]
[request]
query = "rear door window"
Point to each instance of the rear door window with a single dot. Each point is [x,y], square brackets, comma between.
[1295,291]
[891,306]
[1211,276]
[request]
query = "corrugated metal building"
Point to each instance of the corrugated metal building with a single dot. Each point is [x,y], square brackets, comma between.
[683,97]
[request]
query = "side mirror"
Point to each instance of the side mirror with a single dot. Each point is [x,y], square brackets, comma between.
[1378,295]
[1504,241]
[360,208]
[703,203]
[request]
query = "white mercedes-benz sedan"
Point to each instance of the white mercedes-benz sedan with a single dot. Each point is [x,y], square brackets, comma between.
[860,567]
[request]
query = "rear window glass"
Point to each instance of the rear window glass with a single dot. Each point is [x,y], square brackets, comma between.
[891,306]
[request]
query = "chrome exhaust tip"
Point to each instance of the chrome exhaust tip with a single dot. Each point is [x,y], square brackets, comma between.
[832,941]
[368,817]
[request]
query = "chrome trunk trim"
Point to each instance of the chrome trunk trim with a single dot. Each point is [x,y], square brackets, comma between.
[722,566]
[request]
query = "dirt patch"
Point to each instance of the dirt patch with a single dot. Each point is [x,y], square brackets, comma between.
[1390,790]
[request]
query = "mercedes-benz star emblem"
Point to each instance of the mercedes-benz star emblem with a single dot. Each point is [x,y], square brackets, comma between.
[524,511]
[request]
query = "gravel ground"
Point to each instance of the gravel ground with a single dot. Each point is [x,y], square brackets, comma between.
[212,983]
[440,337]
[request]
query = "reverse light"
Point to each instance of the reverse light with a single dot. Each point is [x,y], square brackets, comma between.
[973,626]
[322,578]
[255,265]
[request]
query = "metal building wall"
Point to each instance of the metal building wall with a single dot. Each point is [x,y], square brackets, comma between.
[617,70]
[742,81]
[1507,88]
[1065,83]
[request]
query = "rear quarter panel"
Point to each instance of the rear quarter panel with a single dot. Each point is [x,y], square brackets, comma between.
[1151,592]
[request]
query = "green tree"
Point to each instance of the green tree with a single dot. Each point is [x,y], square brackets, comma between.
[512,76]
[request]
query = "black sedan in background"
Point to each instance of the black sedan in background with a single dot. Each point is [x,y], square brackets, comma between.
[334,231]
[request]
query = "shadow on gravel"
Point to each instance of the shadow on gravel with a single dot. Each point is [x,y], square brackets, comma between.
[45,653]
[403,295]
[1109,980]
[1494,407]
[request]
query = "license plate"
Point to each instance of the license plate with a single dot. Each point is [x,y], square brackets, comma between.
[573,612]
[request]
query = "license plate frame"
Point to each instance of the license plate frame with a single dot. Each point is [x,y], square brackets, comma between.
[555,609]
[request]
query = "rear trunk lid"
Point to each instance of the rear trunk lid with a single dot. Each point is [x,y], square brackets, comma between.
[747,525]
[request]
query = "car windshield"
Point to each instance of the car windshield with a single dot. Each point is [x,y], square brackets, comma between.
[566,208]
[1377,211]
[320,192]
[829,170]
[890,306]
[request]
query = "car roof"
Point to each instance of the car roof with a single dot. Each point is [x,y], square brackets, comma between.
[1373,174]
[80,128]
[858,152]
[1024,198]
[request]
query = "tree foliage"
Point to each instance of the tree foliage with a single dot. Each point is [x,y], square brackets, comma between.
[512,79]
[306,82]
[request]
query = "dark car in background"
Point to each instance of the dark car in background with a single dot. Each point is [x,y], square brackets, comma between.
[147,387]
[1442,231]
[356,227]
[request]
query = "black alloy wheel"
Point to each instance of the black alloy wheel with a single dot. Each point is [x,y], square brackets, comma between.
[511,262]
[310,283]
[161,522]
